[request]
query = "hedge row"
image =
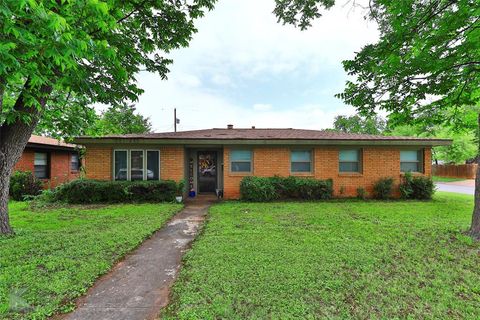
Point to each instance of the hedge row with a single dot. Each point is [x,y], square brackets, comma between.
[279,188]
[84,191]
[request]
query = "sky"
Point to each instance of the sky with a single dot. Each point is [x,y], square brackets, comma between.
[246,69]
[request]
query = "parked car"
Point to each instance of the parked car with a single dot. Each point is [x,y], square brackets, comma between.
[135,174]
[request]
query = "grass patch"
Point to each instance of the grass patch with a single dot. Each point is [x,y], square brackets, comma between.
[338,259]
[57,254]
[445,179]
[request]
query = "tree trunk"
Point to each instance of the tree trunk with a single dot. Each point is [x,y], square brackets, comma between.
[475,228]
[13,139]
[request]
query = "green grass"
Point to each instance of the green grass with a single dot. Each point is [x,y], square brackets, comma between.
[56,255]
[445,179]
[339,259]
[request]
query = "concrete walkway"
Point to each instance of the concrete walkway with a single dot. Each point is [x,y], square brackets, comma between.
[139,286]
[464,186]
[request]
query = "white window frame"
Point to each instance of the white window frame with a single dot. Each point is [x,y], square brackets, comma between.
[72,155]
[251,160]
[144,174]
[48,166]
[419,162]
[311,161]
[359,161]
[129,164]
[159,163]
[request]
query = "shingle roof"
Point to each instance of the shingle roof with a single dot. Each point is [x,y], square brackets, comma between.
[260,134]
[50,142]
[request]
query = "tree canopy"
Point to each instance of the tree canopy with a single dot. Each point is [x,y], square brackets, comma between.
[358,124]
[59,56]
[90,50]
[120,119]
[425,68]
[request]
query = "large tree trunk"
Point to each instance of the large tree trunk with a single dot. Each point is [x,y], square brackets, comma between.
[13,139]
[475,228]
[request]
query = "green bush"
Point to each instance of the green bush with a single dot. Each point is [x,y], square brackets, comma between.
[362,193]
[24,184]
[420,187]
[259,189]
[275,188]
[382,189]
[84,191]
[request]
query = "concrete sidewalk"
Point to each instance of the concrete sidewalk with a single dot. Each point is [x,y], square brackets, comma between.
[139,286]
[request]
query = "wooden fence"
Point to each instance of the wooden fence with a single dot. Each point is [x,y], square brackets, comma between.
[465,171]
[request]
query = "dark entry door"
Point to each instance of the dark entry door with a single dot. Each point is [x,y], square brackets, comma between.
[207,171]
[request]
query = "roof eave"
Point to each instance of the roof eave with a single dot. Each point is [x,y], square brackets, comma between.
[213,141]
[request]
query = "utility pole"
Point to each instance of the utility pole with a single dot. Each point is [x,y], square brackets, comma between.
[175,119]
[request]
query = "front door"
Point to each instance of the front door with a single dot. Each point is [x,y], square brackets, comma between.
[207,171]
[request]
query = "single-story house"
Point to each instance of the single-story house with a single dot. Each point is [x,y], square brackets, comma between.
[50,160]
[219,158]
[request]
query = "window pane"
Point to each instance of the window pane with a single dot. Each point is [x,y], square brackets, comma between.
[301,167]
[409,155]
[349,155]
[349,167]
[301,156]
[241,167]
[153,164]
[41,172]
[40,159]
[136,165]
[120,165]
[74,163]
[241,155]
[409,167]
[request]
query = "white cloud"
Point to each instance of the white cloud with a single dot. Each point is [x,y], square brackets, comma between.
[241,55]
[262,107]
[221,80]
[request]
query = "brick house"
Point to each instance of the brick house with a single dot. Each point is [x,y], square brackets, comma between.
[50,160]
[219,158]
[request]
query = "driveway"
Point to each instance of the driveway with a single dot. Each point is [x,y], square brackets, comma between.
[464,187]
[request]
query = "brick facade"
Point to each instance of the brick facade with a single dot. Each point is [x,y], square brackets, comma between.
[99,161]
[377,162]
[60,171]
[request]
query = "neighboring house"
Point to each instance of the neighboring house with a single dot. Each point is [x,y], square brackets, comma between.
[219,158]
[50,160]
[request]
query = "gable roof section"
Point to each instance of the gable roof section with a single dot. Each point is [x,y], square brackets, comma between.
[261,136]
[45,143]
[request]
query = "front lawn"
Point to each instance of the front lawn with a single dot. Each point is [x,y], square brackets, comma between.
[338,259]
[56,255]
[446,179]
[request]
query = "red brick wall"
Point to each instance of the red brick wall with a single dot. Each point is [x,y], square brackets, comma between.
[59,166]
[99,159]
[378,162]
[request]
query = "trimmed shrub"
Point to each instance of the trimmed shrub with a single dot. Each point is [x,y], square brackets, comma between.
[362,193]
[84,191]
[382,189]
[24,184]
[275,188]
[420,187]
[259,189]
